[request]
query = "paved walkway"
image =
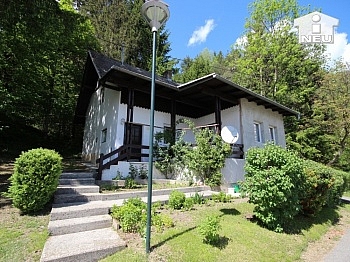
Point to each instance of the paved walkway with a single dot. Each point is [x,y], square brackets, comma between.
[341,251]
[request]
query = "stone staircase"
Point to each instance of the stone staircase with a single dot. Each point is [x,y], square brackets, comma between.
[80,229]
[80,226]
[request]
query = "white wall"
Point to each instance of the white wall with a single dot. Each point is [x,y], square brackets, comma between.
[233,171]
[251,112]
[90,139]
[102,115]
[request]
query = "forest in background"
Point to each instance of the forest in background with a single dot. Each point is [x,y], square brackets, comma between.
[44,44]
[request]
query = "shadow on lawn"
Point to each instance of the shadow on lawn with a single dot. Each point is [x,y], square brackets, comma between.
[172,237]
[302,222]
[221,243]
[230,211]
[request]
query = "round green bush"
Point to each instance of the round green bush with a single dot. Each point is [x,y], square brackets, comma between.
[274,181]
[35,179]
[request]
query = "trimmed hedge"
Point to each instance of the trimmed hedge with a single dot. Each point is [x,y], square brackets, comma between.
[35,179]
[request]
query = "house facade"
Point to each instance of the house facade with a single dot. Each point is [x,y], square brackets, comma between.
[114,108]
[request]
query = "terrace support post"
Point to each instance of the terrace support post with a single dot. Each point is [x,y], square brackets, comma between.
[218,115]
[173,121]
[100,167]
[129,119]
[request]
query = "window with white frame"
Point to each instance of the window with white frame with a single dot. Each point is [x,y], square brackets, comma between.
[104,135]
[257,132]
[272,132]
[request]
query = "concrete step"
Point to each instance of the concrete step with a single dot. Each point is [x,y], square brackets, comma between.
[144,193]
[80,224]
[82,189]
[79,209]
[77,181]
[73,198]
[75,175]
[84,246]
[93,208]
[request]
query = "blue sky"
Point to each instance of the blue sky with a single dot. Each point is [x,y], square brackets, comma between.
[216,25]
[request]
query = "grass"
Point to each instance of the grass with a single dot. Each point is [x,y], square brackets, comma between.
[240,238]
[22,237]
[347,193]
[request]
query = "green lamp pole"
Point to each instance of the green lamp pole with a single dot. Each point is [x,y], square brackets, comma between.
[156,14]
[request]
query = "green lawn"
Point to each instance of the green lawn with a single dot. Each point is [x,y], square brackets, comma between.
[240,238]
[22,237]
[347,193]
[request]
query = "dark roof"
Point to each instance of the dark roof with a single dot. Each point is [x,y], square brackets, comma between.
[193,99]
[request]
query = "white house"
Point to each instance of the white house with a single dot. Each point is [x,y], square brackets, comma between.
[114,108]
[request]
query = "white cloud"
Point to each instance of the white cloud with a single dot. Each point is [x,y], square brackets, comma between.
[340,48]
[200,35]
[241,42]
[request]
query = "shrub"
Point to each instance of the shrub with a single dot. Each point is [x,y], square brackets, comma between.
[131,215]
[221,197]
[274,180]
[208,157]
[35,179]
[209,229]
[161,221]
[130,183]
[323,186]
[188,204]
[337,188]
[177,199]
[318,181]
[199,199]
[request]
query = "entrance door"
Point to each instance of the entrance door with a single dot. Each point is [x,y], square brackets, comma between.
[135,138]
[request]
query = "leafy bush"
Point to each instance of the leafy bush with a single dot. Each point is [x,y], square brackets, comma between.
[209,229]
[338,188]
[274,183]
[205,160]
[35,179]
[161,221]
[221,197]
[318,181]
[131,215]
[346,177]
[130,183]
[163,154]
[188,204]
[199,199]
[208,157]
[177,199]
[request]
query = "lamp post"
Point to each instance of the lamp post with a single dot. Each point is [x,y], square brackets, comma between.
[156,13]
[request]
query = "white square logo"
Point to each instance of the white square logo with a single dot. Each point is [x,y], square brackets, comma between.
[316,28]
